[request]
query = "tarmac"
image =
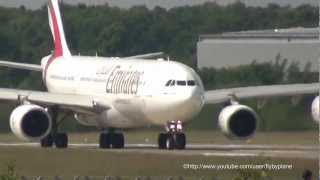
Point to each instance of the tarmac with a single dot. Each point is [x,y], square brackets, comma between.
[310,152]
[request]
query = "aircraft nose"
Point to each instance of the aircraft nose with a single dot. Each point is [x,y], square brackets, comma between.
[193,100]
[197,97]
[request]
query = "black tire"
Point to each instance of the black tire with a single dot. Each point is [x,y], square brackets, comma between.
[170,142]
[47,141]
[180,141]
[117,141]
[162,138]
[104,141]
[61,140]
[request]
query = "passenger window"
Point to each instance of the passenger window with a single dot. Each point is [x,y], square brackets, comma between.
[191,83]
[168,83]
[181,83]
[173,82]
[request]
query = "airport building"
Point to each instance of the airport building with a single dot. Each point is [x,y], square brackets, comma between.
[236,48]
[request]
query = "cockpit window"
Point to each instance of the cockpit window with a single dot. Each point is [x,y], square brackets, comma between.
[191,83]
[181,83]
[173,82]
[168,83]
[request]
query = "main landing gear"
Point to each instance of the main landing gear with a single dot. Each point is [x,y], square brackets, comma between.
[174,138]
[60,140]
[111,139]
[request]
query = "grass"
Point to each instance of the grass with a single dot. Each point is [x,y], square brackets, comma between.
[82,162]
[71,162]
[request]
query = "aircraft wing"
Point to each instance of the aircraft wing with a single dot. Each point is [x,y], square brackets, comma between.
[224,95]
[145,56]
[81,103]
[25,66]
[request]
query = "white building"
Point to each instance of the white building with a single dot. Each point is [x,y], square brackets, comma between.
[236,48]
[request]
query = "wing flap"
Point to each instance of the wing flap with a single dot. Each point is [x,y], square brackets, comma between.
[24,66]
[223,95]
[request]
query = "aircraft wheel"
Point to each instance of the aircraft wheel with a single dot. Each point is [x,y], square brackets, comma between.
[170,142]
[47,141]
[162,141]
[180,141]
[104,141]
[61,140]
[118,141]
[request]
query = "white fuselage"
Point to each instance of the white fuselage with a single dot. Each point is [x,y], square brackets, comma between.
[138,92]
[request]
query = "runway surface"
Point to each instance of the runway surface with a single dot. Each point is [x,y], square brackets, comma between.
[209,150]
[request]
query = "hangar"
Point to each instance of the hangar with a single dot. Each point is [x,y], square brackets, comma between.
[236,48]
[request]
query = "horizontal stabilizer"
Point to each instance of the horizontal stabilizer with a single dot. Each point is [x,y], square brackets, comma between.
[146,56]
[24,66]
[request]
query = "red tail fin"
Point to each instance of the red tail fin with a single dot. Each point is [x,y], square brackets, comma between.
[56,26]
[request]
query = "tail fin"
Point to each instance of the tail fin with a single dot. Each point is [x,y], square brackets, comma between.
[56,26]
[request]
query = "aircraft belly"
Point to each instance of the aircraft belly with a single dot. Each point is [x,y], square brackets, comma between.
[126,113]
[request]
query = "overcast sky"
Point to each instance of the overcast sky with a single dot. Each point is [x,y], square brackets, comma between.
[34,4]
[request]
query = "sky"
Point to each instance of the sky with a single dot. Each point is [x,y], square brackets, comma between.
[35,4]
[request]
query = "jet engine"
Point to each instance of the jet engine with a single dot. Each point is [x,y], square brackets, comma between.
[315,109]
[238,121]
[30,122]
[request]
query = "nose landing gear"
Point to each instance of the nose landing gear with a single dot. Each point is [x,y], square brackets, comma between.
[174,138]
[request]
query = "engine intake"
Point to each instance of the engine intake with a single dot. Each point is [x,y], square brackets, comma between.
[30,122]
[238,121]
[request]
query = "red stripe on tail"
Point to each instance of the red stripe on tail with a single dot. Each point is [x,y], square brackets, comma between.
[58,51]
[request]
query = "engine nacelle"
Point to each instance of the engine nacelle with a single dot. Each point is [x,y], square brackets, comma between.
[315,110]
[238,121]
[30,122]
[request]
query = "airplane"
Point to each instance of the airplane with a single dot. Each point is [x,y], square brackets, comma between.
[114,93]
